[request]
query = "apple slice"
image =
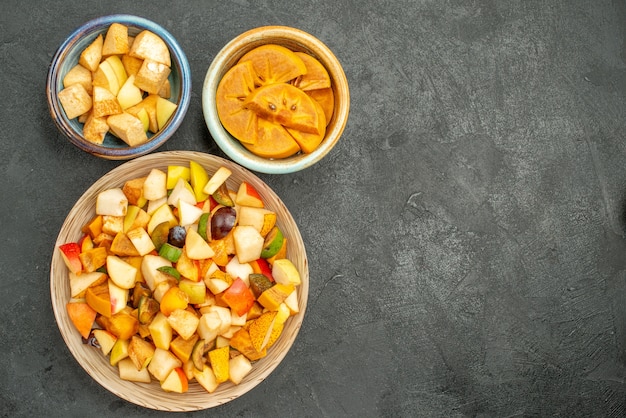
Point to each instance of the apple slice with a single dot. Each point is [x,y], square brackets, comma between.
[176,381]
[111,202]
[162,363]
[291,302]
[105,339]
[106,78]
[118,68]
[263,220]
[163,214]
[196,291]
[248,243]
[141,240]
[155,185]
[196,247]
[149,105]
[216,180]
[164,110]
[161,331]
[119,351]
[285,272]
[122,273]
[238,368]
[238,269]
[128,371]
[129,94]
[247,195]
[184,322]
[150,272]
[209,325]
[80,282]
[182,191]
[188,213]
[206,378]
[70,252]
[118,297]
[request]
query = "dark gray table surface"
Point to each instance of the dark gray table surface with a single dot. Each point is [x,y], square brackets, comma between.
[466,237]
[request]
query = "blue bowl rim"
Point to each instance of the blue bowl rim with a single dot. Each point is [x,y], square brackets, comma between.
[54,81]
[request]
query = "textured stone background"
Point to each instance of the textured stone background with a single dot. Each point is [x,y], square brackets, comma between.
[465,237]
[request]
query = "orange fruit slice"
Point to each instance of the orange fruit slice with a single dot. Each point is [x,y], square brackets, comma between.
[274,64]
[326,99]
[316,76]
[273,141]
[234,87]
[309,142]
[286,105]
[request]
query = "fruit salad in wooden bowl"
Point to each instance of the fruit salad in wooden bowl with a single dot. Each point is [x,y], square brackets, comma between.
[179,281]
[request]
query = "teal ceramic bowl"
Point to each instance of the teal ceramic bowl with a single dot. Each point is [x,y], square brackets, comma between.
[296,40]
[67,56]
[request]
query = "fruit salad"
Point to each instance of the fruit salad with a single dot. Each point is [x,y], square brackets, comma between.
[276,102]
[178,278]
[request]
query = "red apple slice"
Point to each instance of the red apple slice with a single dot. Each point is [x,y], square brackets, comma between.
[70,252]
[247,195]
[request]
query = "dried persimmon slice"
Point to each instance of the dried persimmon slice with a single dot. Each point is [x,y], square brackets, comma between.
[326,99]
[274,64]
[286,105]
[316,76]
[309,142]
[234,87]
[273,141]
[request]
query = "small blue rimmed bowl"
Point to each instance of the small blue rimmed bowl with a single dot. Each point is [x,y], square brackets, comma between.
[67,56]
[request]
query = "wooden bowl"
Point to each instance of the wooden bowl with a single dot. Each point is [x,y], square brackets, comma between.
[96,364]
[296,40]
[67,56]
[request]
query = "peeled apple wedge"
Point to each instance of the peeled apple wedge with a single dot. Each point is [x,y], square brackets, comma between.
[274,64]
[286,105]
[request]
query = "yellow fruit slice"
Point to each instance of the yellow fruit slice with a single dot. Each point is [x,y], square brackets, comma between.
[326,98]
[286,105]
[274,64]
[273,141]
[234,87]
[309,142]
[316,76]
